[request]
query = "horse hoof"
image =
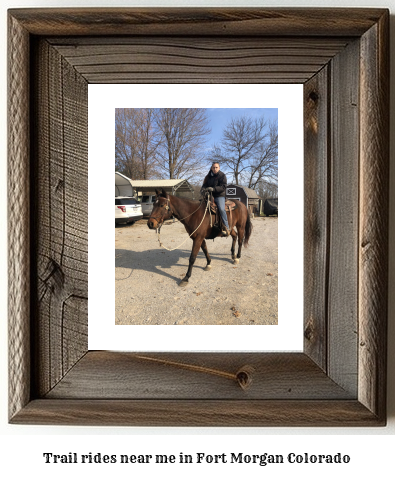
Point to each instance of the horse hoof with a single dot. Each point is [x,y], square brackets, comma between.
[183,283]
[236,261]
[207,268]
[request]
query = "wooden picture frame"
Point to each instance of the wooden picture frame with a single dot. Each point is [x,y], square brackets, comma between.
[342,58]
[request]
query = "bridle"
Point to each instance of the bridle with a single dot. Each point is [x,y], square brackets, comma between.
[167,208]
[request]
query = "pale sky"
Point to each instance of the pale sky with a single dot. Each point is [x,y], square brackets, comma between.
[220,117]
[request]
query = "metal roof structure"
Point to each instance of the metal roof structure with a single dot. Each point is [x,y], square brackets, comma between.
[169,185]
[123,185]
[251,193]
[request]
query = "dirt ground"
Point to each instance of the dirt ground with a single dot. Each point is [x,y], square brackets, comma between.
[147,278]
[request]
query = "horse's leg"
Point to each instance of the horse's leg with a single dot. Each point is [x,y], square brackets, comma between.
[208,258]
[240,233]
[232,250]
[197,242]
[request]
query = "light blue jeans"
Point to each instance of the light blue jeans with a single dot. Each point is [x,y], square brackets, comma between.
[220,202]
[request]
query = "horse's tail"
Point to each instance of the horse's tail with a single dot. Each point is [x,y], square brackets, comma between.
[247,230]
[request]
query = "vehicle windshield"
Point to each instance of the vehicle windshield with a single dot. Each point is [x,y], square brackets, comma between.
[125,201]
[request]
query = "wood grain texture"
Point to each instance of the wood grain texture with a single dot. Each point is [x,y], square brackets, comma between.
[343,226]
[261,22]
[61,204]
[186,60]
[202,413]
[196,375]
[18,231]
[70,385]
[373,228]
[316,214]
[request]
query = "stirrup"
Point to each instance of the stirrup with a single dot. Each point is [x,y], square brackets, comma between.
[225,232]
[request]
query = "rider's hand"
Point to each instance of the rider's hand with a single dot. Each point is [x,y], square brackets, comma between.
[210,190]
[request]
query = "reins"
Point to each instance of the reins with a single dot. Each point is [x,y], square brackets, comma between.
[204,215]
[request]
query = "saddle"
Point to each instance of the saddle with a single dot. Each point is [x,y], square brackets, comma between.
[229,207]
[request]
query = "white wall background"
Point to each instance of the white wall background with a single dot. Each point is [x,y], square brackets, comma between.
[370,449]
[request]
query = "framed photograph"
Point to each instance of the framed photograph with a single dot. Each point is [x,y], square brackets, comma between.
[341,59]
[254,290]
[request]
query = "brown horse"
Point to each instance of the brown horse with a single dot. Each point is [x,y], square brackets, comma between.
[196,220]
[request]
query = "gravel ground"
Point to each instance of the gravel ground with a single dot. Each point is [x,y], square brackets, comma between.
[147,277]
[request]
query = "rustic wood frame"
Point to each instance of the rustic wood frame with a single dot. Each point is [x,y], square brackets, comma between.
[342,58]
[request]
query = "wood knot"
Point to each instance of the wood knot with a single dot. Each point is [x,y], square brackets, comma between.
[60,185]
[313,96]
[309,331]
[54,275]
[244,376]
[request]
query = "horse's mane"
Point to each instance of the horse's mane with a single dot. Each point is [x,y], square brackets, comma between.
[190,201]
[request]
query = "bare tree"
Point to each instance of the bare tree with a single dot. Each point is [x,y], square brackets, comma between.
[125,155]
[248,149]
[136,141]
[181,152]
[267,189]
[148,144]
[264,163]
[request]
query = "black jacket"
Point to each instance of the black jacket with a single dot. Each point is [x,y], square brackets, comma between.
[216,181]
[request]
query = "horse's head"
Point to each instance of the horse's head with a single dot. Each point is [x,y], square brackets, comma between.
[161,210]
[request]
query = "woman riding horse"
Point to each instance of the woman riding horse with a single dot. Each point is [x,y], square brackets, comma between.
[215,183]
